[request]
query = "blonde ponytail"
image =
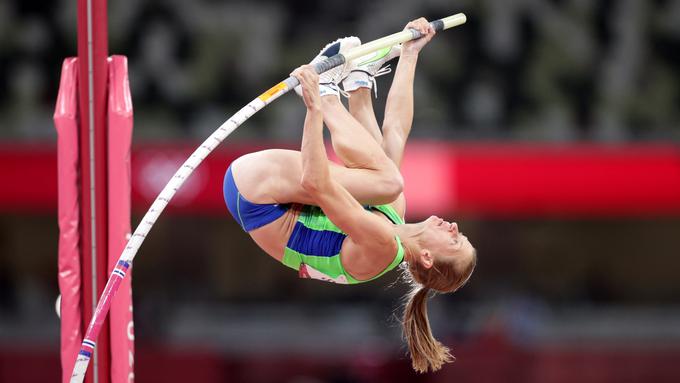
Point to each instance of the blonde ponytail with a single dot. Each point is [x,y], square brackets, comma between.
[427,353]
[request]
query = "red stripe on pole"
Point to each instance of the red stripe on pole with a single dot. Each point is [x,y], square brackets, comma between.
[92,55]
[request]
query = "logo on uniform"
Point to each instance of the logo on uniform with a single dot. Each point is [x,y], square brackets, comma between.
[309,272]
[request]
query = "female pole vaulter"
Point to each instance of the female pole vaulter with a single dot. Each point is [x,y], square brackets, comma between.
[344,224]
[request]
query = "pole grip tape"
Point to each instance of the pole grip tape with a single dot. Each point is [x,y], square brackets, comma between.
[329,63]
[438,25]
[320,67]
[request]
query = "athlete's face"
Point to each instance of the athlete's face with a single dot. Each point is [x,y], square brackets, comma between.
[443,239]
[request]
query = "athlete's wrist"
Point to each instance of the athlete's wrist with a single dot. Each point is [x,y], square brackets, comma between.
[314,110]
[409,56]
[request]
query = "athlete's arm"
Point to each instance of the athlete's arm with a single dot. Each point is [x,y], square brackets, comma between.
[399,106]
[371,233]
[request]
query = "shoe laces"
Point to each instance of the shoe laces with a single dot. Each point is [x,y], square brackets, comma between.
[381,72]
[343,92]
[335,87]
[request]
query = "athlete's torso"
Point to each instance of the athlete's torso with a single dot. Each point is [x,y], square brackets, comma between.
[274,237]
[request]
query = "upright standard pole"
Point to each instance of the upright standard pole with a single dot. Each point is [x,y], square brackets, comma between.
[92,54]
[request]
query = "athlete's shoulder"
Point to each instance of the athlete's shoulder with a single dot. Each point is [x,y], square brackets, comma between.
[364,263]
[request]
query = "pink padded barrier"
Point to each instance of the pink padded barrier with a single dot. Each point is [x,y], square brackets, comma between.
[66,122]
[119,141]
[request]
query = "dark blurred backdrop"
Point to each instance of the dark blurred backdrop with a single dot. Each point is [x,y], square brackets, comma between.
[554,299]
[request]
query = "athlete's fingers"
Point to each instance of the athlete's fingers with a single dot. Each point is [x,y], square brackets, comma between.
[308,78]
[305,74]
[296,73]
[310,74]
[420,24]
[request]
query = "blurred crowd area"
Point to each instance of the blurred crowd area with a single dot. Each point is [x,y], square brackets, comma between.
[547,295]
[524,70]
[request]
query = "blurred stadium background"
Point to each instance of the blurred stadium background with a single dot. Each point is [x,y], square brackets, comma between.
[548,129]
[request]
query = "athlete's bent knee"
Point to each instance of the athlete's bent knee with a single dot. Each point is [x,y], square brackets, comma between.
[392,185]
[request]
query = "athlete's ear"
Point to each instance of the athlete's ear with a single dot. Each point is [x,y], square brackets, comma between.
[426,259]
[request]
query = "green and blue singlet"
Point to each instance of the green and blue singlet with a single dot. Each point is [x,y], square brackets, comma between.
[313,248]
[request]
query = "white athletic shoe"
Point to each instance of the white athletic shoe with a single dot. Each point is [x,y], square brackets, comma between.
[328,81]
[367,68]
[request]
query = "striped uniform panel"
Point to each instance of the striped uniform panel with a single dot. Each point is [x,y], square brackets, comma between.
[316,241]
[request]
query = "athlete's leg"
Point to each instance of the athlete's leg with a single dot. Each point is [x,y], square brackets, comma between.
[353,144]
[399,108]
[370,176]
[273,176]
[398,111]
[359,83]
[354,147]
[361,108]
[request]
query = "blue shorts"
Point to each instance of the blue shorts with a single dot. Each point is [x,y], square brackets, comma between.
[249,215]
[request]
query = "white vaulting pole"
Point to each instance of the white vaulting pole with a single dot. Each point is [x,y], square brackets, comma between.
[199,155]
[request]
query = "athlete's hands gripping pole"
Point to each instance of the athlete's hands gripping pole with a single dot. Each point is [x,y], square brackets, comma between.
[427,32]
[309,80]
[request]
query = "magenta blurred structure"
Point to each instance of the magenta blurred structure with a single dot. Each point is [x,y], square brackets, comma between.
[69,215]
[489,180]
